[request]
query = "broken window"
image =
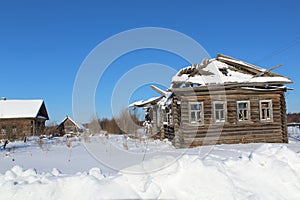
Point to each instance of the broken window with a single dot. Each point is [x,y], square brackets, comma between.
[265,110]
[220,111]
[167,119]
[167,116]
[196,113]
[243,110]
[149,115]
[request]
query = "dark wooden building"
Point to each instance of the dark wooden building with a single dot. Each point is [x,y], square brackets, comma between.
[221,100]
[20,118]
[69,127]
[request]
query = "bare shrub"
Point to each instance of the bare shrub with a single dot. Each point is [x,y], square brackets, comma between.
[125,144]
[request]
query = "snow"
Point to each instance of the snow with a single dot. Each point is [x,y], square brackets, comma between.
[19,108]
[166,101]
[78,125]
[218,77]
[262,89]
[232,60]
[294,132]
[148,169]
[269,79]
[144,102]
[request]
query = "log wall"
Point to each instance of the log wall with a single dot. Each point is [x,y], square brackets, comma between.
[23,127]
[232,131]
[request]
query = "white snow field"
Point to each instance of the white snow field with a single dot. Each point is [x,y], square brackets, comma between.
[123,168]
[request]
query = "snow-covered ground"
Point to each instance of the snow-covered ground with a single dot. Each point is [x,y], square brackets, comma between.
[121,168]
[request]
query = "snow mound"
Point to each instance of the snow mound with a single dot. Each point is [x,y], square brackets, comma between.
[267,171]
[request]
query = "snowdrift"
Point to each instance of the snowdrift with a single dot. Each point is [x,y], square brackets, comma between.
[266,171]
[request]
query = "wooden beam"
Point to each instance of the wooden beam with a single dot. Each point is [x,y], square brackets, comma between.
[268,70]
[160,91]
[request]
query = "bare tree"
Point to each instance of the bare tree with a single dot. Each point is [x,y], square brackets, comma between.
[94,125]
[50,129]
[128,121]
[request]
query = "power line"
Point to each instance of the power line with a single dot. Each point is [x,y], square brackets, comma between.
[280,50]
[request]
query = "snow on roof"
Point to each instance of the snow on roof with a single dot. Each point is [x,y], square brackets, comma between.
[233,60]
[20,108]
[142,103]
[215,71]
[166,100]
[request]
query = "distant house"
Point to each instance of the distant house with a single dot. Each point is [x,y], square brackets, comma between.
[20,118]
[69,127]
[221,100]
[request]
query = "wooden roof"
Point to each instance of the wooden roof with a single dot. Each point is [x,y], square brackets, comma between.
[79,126]
[224,70]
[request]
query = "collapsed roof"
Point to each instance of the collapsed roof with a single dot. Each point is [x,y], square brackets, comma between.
[146,103]
[222,70]
[225,70]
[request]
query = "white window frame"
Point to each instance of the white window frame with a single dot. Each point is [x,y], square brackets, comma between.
[270,110]
[158,117]
[248,110]
[14,129]
[224,109]
[200,121]
[167,117]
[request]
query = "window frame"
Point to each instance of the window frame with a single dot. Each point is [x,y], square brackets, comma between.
[24,129]
[248,110]
[158,117]
[196,123]
[225,112]
[167,117]
[14,129]
[3,130]
[270,108]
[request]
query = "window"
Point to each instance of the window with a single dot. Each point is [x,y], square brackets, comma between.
[220,111]
[243,111]
[31,127]
[14,129]
[196,113]
[3,130]
[24,129]
[167,117]
[158,117]
[265,110]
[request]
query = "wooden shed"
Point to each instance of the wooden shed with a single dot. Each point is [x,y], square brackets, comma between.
[221,100]
[20,118]
[69,127]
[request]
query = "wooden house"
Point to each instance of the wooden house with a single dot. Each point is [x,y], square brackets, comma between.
[69,127]
[221,100]
[20,118]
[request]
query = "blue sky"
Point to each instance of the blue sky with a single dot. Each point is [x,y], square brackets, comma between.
[43,43]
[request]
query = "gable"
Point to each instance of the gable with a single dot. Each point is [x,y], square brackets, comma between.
[67,122]
[43,112]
